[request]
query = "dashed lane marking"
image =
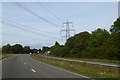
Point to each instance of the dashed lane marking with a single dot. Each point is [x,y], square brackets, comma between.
[25,63]
[33,70]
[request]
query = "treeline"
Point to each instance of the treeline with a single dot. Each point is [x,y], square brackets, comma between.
[100,44]
[19,49]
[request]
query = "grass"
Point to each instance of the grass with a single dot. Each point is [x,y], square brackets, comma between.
[99,60]
[95,60]
[94,71]
[5,56]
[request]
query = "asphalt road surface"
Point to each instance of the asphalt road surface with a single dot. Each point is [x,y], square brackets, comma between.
[22,66]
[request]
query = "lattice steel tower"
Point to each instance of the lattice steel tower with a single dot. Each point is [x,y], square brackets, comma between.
[67,30]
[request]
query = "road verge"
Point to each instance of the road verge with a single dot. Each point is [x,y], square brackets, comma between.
[94,71]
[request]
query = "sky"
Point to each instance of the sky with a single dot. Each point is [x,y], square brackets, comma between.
[86,16]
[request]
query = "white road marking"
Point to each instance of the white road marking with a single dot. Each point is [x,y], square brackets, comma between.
[25,63]
[33,70]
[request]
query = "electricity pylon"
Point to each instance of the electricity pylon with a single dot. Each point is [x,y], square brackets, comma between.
[67,30]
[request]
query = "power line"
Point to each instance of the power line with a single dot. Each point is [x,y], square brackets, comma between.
[33,13]
[29,27]
[25,37]
[30,31]
[18,23]
[50,11]
[19,36]
[67,30]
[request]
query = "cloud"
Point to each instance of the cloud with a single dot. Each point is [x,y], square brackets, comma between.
[36,45]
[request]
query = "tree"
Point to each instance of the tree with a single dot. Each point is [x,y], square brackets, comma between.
[17,48]
[56,43]
[111,50]
[115,37]
[26,49]
[116,26]
[40,51]
[56,50]
[34,51]
[98,37]
[70,43]
[97,40]
[45,48]
[77,44]
[6,48]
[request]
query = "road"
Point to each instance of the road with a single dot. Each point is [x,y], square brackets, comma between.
[22,66]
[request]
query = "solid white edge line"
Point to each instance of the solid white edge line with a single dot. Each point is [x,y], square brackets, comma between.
[33,70]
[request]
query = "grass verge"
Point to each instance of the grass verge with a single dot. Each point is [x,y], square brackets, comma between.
[3,56]
[99,60]
[115,62]
[94,71]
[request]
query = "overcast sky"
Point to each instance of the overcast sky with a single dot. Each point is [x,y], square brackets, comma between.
[86,16]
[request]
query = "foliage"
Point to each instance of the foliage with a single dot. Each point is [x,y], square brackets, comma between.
[116,26]
[34,51]
[56,49]
[98,37]
[17,48]
[6,48]
[44,49]
[99,45]
[40,51]
[26,49]
[96,47]
[115,35]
